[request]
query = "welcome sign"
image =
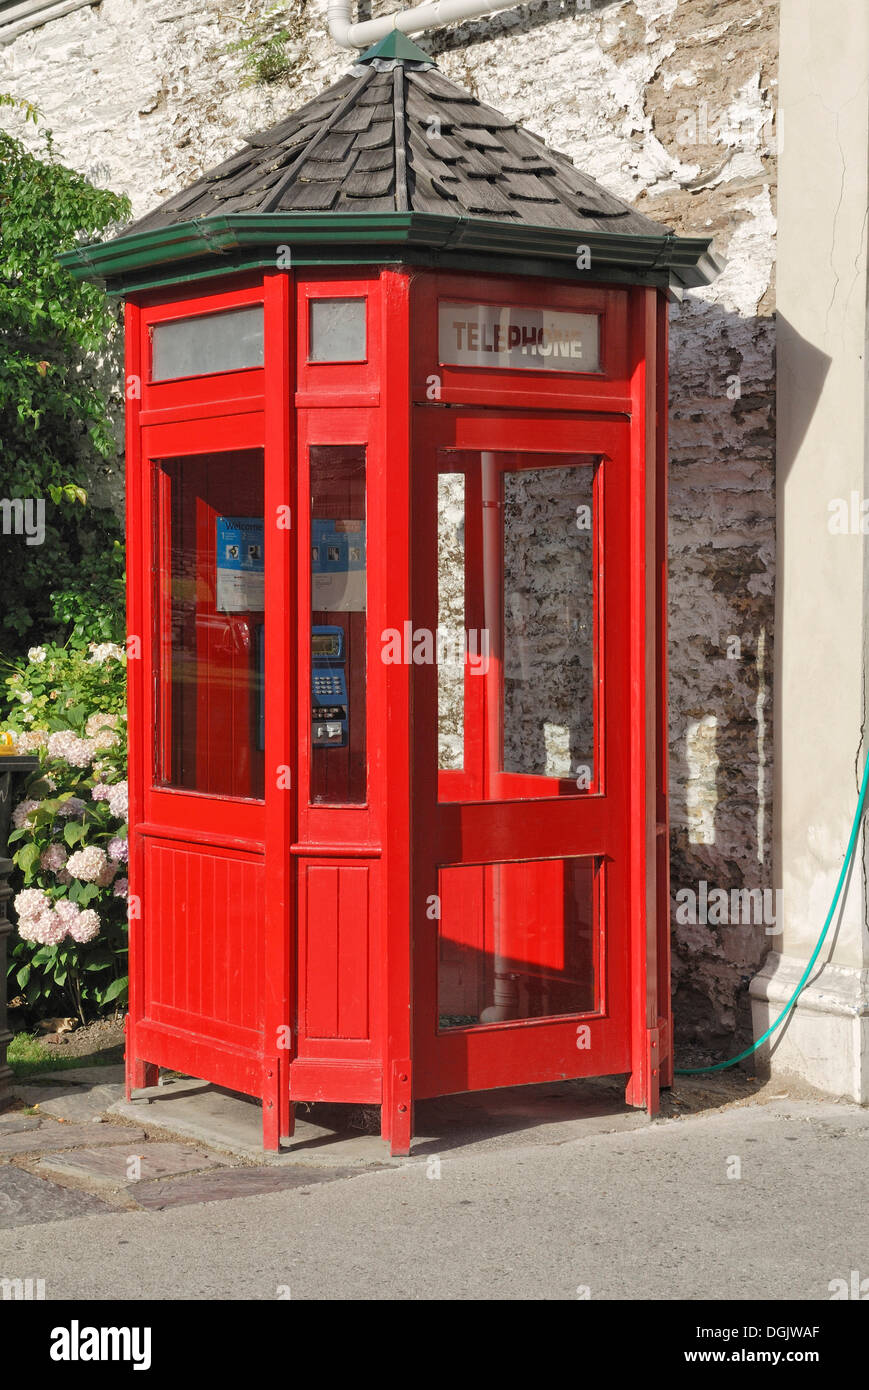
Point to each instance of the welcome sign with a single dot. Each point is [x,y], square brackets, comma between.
[493,335]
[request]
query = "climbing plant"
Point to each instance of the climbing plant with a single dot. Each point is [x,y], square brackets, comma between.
[269,49]
[61,557]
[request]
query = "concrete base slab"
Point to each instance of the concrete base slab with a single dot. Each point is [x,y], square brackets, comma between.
[232,1123]
[26,1200]
[112,1169]
[325,1134]
[825,1039]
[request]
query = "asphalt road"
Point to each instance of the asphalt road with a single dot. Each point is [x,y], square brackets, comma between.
[655,1212]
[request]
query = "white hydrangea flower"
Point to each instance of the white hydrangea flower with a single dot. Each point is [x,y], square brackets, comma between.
[88,864]
[78,752]
[117,800]
[32,740]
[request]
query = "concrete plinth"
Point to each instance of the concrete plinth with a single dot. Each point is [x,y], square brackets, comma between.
[825,1039]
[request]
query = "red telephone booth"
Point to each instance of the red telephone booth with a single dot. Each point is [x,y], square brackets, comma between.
[396,451]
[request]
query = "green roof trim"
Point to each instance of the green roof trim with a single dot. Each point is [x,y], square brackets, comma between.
[397,236]
[398,46]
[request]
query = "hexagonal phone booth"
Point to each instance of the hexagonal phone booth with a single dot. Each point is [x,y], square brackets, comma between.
[396,498]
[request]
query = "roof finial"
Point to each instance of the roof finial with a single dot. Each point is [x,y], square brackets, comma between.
[397,47]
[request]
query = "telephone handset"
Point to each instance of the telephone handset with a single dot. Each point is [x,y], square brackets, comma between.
[329,704]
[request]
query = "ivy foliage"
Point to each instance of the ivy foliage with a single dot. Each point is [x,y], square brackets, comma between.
[53,414]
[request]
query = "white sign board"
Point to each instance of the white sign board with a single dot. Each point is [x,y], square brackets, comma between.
[240,565]
[493,335]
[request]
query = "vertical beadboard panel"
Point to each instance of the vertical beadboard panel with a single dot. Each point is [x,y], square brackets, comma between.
[336,957]
[205,917]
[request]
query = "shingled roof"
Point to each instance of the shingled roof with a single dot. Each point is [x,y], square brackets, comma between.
[395,162]
[394,135]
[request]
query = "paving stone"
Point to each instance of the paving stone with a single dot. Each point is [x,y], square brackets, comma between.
[229,1183]
[16,1123]
[87,1076]
[75,1103]
[51,1135]
[109,1167]
[27,1200]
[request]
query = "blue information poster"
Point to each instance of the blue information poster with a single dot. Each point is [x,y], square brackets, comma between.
[337,565]
[240,564]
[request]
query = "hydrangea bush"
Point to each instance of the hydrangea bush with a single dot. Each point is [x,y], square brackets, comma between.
[69,833]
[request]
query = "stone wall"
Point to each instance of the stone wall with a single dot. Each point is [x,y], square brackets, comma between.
[669,104]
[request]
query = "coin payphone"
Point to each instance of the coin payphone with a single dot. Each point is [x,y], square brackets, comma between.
[329,713]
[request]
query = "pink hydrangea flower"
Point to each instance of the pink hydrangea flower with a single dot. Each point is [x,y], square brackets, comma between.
[121,888]
[72,807]
[101,791]
[82,925]
[107,875]
[53,930]
[36,919]
[22,811]
[54,858]
[30,901]
[118,850]
[85,927]
[67,910]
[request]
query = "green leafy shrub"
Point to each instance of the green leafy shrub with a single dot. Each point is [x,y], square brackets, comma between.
[54,420]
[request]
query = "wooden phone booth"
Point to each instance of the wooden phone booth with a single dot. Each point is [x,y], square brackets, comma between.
[396,453]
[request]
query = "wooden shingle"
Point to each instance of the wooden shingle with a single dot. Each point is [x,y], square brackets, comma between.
[343,151]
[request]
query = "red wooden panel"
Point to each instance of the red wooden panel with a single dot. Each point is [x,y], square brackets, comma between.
[204,961]
[336,954]
[338,383]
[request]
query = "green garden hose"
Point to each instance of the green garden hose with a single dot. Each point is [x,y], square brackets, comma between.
[849,855]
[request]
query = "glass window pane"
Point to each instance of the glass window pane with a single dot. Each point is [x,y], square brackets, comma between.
[337,330]
[210,574]
[548,724]
[451,621]
[223,342]
[338,602]
[517,940]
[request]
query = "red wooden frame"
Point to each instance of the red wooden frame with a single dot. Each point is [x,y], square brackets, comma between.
[330,988]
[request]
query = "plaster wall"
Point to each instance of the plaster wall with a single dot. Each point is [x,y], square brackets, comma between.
[668,103]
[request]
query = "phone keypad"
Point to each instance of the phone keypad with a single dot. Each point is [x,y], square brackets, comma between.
[327,685]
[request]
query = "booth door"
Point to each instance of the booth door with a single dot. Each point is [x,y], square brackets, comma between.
[521,701]
[199,995]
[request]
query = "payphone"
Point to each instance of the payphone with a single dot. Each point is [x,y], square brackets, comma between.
[329,704]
